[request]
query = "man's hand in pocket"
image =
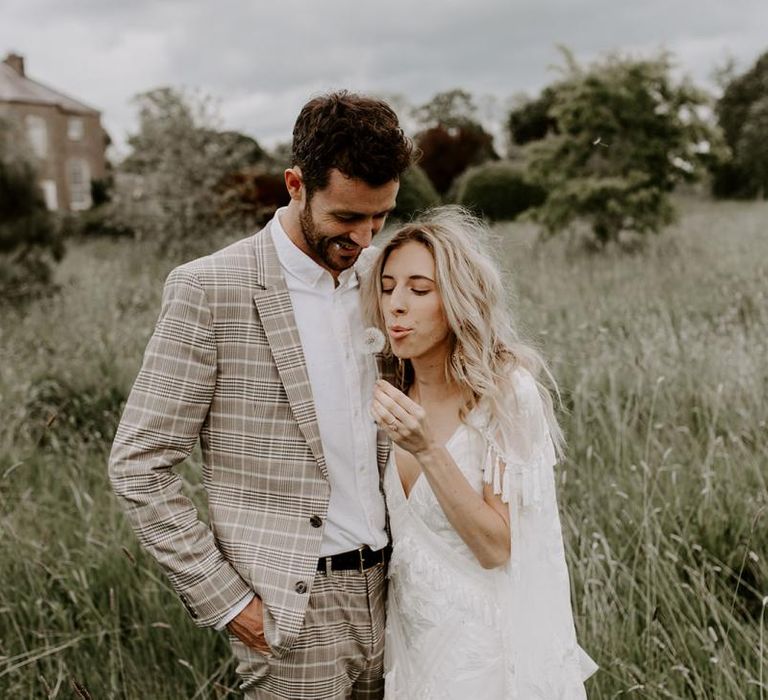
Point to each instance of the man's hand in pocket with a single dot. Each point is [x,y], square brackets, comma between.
[248,627]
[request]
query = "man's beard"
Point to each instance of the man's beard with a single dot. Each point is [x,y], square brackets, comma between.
[325,246]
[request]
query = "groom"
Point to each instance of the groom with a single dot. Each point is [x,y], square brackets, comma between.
[258,352]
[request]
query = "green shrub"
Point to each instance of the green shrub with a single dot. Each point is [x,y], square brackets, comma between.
[498,191]
[105,221]
[250,196]
[58,411]
[416,194]
[30,241]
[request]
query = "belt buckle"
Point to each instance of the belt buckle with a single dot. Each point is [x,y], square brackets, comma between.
[361,567]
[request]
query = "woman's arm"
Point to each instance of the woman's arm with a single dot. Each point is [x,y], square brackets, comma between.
[482,521]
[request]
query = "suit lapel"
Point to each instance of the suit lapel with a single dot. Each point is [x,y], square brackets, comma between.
[273,303]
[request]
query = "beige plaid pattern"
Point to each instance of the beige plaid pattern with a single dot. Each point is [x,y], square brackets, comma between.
[225,365]
[339,652]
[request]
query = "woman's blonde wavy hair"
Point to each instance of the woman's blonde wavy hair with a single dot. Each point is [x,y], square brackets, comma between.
[487,346]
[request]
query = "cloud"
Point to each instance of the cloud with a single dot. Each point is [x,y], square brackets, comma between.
[263,59]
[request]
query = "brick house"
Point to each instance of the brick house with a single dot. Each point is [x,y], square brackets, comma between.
[65,135]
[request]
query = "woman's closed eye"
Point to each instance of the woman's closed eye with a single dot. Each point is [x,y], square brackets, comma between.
[418,292]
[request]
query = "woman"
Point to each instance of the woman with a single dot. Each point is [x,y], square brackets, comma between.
[479,602]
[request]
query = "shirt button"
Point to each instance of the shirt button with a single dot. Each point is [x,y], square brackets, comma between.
[315,521]
[300,587]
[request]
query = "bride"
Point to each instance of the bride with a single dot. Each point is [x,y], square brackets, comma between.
[479,598]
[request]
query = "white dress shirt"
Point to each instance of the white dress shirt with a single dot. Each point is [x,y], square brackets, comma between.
[342,375]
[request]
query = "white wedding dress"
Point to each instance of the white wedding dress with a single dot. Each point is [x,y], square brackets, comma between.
[456,631]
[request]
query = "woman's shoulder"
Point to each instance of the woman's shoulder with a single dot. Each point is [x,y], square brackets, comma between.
[524,386]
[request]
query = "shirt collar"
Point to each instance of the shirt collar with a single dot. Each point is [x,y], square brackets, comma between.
[298,264]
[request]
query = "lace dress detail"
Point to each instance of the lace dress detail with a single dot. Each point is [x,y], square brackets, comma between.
[458,631]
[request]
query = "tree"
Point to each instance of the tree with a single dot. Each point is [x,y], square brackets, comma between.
[451,140]
[30,240]
[532,120]
[752,147]
[626,135]
[450,109]
[741,115]
[180,158]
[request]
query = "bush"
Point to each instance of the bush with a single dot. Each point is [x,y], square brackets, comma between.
[416,194]
[103,222]
[742,114]
[251,196]
[30,240]
[60,411]
[498,191]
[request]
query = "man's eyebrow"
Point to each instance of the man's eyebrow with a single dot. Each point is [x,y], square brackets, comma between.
[411,277]
[350,212]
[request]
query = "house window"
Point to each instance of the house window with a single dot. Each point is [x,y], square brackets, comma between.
[79,181]
[50,194]
[37,134]
[75,129]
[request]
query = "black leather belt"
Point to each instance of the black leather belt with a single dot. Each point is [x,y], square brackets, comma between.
[359,559]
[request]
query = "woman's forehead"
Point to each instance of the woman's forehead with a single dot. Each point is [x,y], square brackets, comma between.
[410,259]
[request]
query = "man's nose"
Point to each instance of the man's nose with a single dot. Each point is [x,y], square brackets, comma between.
[363,234]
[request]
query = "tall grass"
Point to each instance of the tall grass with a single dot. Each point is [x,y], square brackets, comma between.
[662,361]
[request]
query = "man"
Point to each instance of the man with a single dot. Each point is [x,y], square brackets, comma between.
[258,351]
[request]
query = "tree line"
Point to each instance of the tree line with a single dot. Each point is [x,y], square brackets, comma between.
[604,145]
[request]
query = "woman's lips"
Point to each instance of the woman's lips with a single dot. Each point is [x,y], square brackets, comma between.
[399,332]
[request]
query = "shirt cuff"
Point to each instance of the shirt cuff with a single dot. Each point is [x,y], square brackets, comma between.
[234,611]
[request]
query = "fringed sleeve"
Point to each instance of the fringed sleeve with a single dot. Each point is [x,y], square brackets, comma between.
[543,659]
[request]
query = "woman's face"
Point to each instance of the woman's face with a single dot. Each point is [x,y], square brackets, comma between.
[412,307]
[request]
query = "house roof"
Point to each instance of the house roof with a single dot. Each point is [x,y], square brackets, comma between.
[19,88]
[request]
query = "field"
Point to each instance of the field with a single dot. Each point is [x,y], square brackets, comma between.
[662,361]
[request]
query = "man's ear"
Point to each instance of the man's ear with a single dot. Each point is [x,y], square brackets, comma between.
[294,183]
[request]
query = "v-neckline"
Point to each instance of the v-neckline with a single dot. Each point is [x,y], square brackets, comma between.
[407,496]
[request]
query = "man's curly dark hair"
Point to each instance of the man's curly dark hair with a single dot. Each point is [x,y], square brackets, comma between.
[359,136]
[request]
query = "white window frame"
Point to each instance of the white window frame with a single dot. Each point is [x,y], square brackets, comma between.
[79,184]
[37,134]
[50,194]
[75,129]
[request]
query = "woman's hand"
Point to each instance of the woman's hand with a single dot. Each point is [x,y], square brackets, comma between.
[403,420]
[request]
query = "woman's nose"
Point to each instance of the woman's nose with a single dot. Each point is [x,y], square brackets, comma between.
[397,302]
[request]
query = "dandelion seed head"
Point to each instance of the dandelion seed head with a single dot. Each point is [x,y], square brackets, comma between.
[373,340]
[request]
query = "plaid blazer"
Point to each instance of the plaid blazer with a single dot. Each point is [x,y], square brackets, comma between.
[225,364]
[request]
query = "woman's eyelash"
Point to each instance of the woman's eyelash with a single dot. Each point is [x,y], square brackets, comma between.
[419,292]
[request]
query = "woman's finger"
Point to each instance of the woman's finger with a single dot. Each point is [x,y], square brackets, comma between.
[385,420]
[391,404]
[398,396]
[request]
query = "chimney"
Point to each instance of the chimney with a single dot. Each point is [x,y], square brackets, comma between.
[16,62]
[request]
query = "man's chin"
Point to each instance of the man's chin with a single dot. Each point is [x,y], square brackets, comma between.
[342,262]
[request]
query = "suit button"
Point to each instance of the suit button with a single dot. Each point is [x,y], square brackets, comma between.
[300,587]
[315,521]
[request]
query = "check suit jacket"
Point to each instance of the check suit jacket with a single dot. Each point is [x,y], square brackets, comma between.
[225,364]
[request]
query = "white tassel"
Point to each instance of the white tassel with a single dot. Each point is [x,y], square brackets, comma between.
[506,489]
[497,474]
[488,465]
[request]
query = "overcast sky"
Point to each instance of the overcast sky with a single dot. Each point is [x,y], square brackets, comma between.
[262,59]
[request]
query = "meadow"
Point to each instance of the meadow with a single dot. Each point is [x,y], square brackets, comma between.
[662,363]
